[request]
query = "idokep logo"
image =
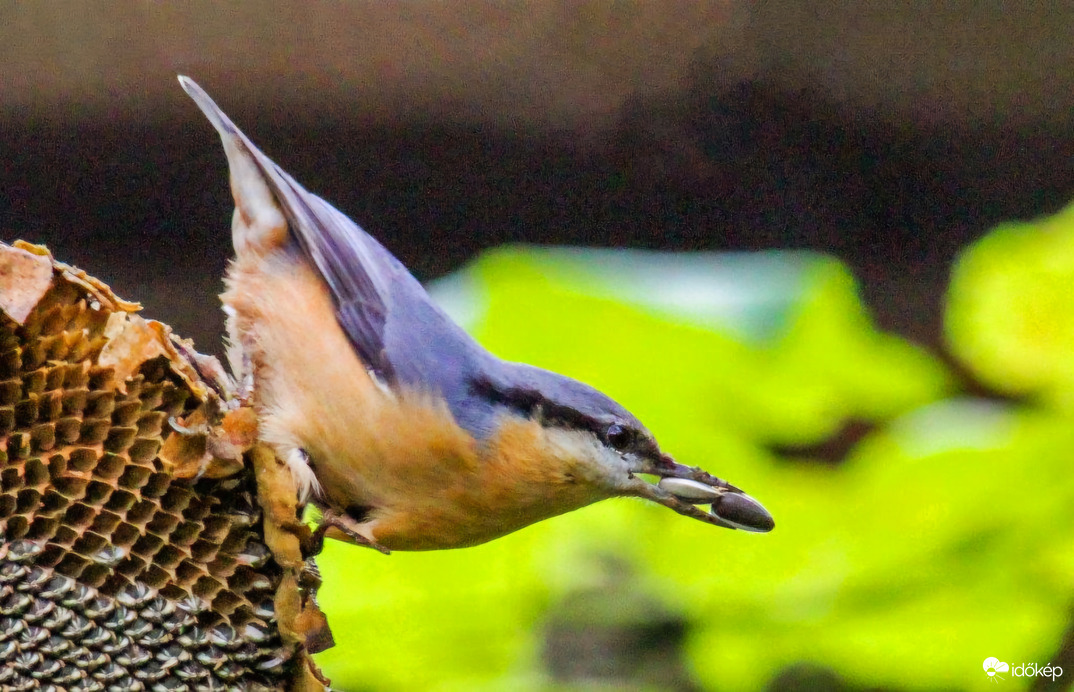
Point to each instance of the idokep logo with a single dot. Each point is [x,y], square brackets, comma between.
[993,667]
[1033,670]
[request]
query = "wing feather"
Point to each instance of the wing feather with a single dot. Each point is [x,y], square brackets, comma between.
[358,270]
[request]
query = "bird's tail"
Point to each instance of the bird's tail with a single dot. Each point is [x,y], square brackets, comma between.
[260,223]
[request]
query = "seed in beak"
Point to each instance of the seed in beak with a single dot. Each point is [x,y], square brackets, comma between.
[690,491]
[740,511]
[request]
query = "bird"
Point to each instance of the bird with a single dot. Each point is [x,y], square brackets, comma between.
[394,421]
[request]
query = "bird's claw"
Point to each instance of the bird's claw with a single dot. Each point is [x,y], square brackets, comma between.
[348,526]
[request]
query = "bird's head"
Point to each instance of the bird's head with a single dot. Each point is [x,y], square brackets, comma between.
[606,446]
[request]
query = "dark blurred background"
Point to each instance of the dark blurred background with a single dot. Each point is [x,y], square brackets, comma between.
[888,134]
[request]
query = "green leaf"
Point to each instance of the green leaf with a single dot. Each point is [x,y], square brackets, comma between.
[1010,316]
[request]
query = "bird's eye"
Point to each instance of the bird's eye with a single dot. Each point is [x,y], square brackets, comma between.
[619,437]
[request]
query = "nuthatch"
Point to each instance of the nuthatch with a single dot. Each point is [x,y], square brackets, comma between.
[408,433]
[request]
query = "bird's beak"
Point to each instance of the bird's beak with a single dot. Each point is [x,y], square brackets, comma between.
[683,488]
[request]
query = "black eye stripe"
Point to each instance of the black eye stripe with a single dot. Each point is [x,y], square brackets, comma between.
[619,436]
[534,405]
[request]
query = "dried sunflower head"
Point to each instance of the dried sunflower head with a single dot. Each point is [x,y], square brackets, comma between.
[133,552]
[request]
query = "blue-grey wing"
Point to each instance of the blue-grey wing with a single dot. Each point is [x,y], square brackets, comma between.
[391,322]
[359,272]
[385,312]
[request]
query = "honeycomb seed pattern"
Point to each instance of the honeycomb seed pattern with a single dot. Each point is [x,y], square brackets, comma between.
[114,574]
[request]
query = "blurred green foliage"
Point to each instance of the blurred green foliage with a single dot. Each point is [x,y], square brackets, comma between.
[944,538]
[1009,308]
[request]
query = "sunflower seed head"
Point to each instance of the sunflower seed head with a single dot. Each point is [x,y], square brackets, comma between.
[79,596]
[193,605]
[27,660]
[47,668]
[35,578]
[189,670]
[225,636]
[177,621]
[126,684]
[257,632]
[92,660]
[172,654]
[16,604]
[115,574]
[133,656]
[231,671]
[273,664]
[195,637]
[118,643]
[77,626]
[163,606]
[154,638]
[136,595]
[109,672]
[58,618]
[120,618]
[265,609]
[57,587]
[11,572]
[211,656]
[99,608]
[39,609]
[260,582]
[150,672]
[97,636]
[56,646]
[109,556]
[9,627]
[23,550]
[20,683]
[32,636]
[138,628]
[254,554]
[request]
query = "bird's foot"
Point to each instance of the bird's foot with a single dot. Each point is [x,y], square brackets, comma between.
[347,526]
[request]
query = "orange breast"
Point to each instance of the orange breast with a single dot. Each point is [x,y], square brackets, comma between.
[425,483]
